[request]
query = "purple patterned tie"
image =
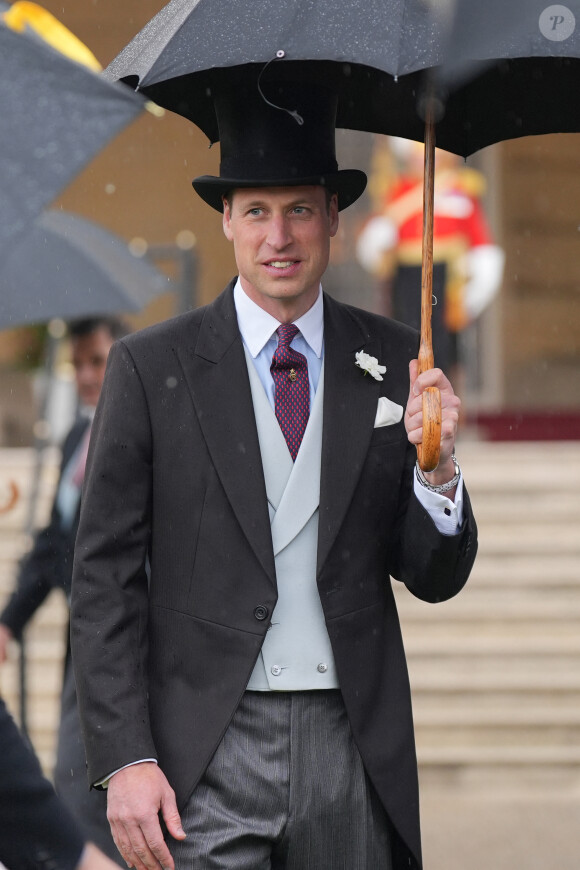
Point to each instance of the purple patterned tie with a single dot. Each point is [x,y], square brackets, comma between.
[292,397]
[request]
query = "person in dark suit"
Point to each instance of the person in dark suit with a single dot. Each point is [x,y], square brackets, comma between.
[37,831]
[251,488]
[49,566]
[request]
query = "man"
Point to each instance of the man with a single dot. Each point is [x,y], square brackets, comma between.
[49,566]
[37,831]
[250,490]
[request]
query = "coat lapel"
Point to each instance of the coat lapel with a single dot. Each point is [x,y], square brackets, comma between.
[217,376]
[350,405]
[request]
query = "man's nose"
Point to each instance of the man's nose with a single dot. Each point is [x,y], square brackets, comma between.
[279,235]
[84,375]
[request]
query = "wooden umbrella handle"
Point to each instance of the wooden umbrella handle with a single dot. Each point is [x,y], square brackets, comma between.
[428,450]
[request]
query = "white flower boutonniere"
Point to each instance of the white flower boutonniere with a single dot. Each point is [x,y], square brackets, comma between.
[370,365]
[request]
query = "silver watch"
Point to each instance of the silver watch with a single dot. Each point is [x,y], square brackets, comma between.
[443,487]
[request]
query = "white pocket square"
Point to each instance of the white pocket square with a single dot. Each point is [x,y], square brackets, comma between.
[388,412]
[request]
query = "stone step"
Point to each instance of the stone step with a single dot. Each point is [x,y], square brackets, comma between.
[518,673]
[44,680]
[517,569]
[511,482]
[525,458]
[500,769]
[511,710]
[488,736]
[532,539]
[471,642]
[508,604]
[516,508]
[504,755]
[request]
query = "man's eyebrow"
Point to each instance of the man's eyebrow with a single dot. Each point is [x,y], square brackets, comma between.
[260,203]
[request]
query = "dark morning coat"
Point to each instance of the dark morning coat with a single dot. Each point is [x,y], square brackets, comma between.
[174,562]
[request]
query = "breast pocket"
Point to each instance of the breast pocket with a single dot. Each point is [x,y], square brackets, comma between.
[385,435]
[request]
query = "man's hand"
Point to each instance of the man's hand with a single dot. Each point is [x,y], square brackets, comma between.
[5,637]
[135,797]
[450,404]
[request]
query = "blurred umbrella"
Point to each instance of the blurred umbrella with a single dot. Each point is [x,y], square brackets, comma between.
[512,69]
[26,17]
[56,116]
[67,267]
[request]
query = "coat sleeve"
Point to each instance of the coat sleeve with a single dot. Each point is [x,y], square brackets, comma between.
[36,830]
[433,566]
[109,605]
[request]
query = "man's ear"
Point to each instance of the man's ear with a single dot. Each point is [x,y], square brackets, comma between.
[226,220]
[333,215]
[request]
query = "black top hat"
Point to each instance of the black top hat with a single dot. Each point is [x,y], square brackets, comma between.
[278,135]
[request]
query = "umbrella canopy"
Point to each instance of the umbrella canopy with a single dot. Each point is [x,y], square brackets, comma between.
[68,267]
[56,116]
[512,70]
[374,59]
[187,36]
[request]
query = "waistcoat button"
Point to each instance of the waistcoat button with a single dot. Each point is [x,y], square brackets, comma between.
[322,668]
[261,612]
[276,670]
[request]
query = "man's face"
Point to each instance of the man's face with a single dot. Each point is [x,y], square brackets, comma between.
[89,358]
[281,239]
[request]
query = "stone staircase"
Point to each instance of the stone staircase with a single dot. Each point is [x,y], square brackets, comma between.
[495,671]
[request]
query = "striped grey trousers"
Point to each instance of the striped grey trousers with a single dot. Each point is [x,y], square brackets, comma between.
[285,790]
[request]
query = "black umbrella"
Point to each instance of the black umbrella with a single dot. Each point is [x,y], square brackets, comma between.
[526,54]
[375,57]
[56,115]
[378,42]
[67,267]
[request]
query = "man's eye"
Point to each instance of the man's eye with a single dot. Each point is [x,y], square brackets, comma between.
[255,212]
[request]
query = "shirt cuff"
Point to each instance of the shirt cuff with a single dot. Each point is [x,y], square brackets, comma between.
[445,513]
[104,782]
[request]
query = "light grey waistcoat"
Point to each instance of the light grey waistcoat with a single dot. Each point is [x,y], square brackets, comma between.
[296,653]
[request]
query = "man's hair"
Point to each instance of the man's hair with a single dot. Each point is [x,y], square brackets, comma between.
[115,326]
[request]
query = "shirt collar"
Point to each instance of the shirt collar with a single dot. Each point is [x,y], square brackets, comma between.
[257,326]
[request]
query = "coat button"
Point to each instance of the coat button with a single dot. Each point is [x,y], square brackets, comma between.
[261,612]
[322,668]
[276,670]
